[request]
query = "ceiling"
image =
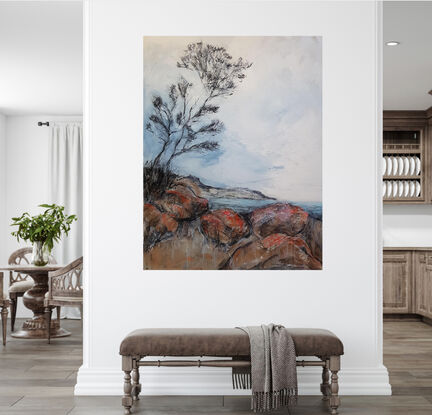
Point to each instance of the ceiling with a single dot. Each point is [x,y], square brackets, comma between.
[408,67]
[41,57]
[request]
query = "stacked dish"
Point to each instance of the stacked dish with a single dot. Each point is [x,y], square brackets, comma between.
[401,166]
[401,189]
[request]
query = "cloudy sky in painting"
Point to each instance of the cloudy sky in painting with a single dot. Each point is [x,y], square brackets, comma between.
[273,133]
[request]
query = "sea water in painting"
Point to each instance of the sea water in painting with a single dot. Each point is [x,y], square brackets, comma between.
[232,153]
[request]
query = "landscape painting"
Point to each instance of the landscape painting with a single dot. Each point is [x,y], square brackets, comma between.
[232,168]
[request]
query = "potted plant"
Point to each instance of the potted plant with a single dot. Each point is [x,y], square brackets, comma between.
[43,230]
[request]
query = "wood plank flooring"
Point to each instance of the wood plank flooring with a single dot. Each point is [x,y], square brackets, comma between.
[408,356]
[37,378]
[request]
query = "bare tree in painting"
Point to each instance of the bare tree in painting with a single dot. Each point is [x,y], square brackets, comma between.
[183,123]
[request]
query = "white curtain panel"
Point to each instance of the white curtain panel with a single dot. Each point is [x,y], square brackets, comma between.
[66,189]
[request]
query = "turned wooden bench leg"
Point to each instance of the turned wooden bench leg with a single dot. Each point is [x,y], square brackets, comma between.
[325,386]
[136,385]
[334,366]
[127,400]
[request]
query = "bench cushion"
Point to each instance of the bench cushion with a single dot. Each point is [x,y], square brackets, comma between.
[220,342]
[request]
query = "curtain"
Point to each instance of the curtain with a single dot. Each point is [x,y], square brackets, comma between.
[66,189]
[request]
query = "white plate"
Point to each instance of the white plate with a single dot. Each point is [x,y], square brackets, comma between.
[395,188]
[389,166]
[412,166]
[406,188]
[418,189]
[384,166]
[389,189]
[412,188]
[406,166]
[395,166]
[400,188]
[384,189]
[418,166]
[400,166]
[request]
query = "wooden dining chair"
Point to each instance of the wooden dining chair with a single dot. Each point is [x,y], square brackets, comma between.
[4,304]
[20,283]
[64,289]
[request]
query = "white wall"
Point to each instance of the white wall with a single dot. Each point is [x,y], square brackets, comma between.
[41,57]
[119,296]
[3,257]
[407,225]
[26,178]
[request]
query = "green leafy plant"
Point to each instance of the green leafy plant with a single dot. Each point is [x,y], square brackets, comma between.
[46,227]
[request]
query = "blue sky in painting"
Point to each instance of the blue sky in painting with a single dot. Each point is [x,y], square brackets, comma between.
[272,140]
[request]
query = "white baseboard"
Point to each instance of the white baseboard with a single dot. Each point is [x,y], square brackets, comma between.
[211,381]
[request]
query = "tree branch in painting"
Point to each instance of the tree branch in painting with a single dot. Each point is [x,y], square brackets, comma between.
[185,124]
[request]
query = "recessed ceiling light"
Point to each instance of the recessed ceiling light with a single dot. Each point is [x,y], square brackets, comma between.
[392,43]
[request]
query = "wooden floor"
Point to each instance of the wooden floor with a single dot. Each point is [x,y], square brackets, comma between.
[36,379]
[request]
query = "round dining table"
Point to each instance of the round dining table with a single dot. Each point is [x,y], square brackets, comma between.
[33,299]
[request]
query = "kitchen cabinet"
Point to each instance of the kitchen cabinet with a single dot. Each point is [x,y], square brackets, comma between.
[423,287]
[407,281]
[397,285]
[407,156]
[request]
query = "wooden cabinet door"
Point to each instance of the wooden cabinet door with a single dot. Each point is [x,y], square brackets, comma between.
[427,289]
[422,285]
[397,282]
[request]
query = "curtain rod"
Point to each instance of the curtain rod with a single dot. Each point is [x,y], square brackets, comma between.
[47,123]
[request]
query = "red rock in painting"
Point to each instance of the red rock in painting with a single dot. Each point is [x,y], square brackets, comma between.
[312,234]
[276,251]
[156,225]
[151,215]
[274,241]
[278,218]
[189,184]
[167,222]
[224,226]
[181,203]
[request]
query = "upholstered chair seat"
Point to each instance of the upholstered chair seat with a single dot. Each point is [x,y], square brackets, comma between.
[21,286]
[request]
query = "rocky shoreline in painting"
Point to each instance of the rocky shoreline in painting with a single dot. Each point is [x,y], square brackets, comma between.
[195,226]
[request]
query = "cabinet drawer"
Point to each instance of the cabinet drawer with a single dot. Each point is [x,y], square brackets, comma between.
[396,257]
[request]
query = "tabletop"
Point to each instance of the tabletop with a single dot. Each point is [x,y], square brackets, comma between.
[29,268]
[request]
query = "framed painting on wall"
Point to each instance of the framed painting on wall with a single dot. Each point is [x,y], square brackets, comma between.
[232,169]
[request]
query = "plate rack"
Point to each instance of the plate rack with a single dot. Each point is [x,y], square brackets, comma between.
[403,166]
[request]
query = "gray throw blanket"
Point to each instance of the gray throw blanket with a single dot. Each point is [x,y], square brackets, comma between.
[273,371]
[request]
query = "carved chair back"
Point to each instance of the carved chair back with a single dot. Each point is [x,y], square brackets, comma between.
[65,284]
[21,256]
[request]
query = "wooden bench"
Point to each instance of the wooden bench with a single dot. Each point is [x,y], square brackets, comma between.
[222,343]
